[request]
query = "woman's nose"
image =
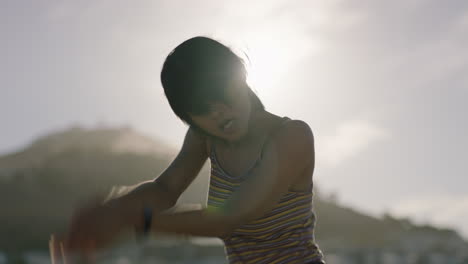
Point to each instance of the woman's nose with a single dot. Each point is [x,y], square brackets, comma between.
[217,111]
[216,114]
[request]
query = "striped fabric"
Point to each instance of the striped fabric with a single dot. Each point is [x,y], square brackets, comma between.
[283,235]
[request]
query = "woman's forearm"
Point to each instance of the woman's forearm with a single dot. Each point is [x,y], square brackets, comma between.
[131,200]
[195,222]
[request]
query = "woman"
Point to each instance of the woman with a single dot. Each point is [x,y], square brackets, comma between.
[260,196]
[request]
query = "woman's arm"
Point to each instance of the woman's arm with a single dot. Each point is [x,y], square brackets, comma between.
[162,193]
[129,201]
[99,223]
[284,159]
[192,220]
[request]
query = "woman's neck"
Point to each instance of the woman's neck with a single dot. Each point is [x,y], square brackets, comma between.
[257,123]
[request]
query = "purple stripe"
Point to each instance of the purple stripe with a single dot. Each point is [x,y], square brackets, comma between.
[259,245]
[302,243]
[218,194]
[282,219]
[221,175]
[281,254]
[284,208]
[297,221]
[290,259]
[221,185]
[306,255]
[313,260]
[289,197]
[305,238]
[273,245]
[216,203]
[276,220]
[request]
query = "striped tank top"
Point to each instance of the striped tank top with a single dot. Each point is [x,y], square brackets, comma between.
[283,235]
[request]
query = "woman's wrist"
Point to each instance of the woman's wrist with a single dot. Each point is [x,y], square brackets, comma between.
[143,226]
[128,211]
[147,220]
[132,206]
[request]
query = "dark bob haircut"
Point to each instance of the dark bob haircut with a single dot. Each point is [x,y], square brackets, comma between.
[196,74]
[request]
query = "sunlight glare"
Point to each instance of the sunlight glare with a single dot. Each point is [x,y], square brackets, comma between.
[273,50]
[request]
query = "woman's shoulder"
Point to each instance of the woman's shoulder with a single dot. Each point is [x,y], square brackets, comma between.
[294,129]
[292,135]
[297,137]
[294,121]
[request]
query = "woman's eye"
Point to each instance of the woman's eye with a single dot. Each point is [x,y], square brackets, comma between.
[204,112]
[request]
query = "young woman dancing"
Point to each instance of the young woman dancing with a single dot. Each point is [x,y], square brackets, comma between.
[260,192]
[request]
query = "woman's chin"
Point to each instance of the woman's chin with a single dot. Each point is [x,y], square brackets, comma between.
[233,136]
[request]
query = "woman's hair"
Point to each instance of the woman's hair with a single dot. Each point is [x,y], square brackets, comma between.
[197,72]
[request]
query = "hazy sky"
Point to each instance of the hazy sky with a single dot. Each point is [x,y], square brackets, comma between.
[382,84]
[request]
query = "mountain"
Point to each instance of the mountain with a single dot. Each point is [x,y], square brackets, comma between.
[340,227]
[114,140]
[41,184]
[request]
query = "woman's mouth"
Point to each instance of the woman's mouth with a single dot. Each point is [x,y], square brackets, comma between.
[228,126]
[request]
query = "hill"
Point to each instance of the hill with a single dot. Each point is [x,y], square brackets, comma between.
[40,185]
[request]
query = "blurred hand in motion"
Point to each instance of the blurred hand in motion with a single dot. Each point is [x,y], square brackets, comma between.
[93,227]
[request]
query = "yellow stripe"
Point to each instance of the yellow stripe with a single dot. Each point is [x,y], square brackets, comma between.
[219,189]
[285,257]
[269,249]
[316,253]
[224,181]
[284,236]
[261,257]
[273,225]
[269,234]
[211,207]
[216,198]
[245,253]
[259,221]
[302,197]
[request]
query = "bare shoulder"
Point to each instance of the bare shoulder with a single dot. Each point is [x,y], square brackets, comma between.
[298,141]
[296,130]
[295,137]
[298,124]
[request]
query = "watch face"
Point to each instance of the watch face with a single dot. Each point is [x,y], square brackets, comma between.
[148,215]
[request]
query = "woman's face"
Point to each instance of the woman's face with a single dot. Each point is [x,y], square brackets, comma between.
[229,121]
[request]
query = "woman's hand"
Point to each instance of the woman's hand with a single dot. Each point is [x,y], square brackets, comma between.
[94,226]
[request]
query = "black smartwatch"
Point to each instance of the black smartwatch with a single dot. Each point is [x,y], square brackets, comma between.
[148,217]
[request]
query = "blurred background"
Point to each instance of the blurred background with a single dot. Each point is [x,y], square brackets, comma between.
[382,84]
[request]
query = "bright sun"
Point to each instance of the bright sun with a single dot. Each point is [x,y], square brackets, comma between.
[267,61]
[272,50]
